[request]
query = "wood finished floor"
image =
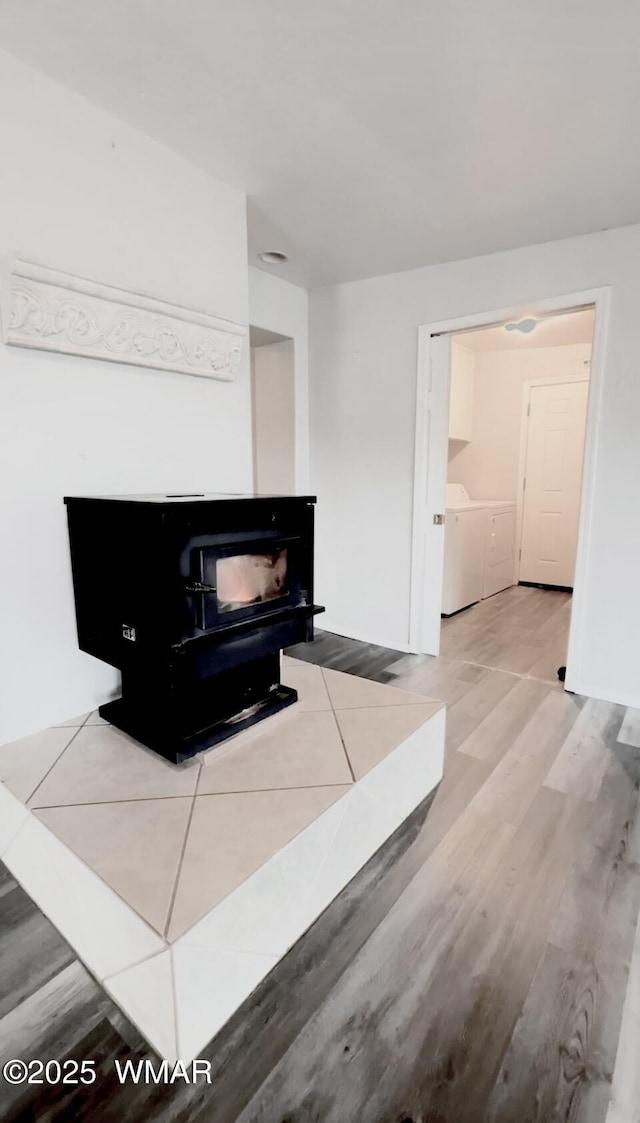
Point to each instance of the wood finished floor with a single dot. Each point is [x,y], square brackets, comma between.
[474,971]
[523,630]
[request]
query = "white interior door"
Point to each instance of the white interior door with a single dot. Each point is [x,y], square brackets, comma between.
[553,473]
[435,421]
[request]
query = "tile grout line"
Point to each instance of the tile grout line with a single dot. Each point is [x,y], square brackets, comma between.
[174,995]
[390,810]
[31,815]
[123,970]
[195,795]
[201,795]
[325,856]
[293,788]
[273,955]
[337,723]
[230,892]
[174,893]
[56,761]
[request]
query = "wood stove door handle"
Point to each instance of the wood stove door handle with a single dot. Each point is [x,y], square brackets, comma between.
[199,587]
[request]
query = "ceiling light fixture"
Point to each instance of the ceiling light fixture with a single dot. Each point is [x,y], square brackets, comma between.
[273,257]
[522,325]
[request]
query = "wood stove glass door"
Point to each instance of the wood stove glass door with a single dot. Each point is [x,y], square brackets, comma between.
[260,577]
[245,579]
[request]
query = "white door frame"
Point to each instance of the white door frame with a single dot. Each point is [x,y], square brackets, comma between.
[557,380]
[569,302]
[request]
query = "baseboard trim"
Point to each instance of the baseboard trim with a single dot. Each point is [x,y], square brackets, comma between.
[544,585]
[350,634]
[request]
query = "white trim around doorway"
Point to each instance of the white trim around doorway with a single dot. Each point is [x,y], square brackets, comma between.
[570,302]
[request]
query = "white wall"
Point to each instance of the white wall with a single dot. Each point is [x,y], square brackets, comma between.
[80,191]
[362,405]
[273,399]
[278,306]
[488,465]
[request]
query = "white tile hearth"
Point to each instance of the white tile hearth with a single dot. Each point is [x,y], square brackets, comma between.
[13,814]
[102,765]
[271,909]
[73,722]
[302,750]
[182,886]
[146,992]
[209,988]
[304,677]
[23,764]
[397,781]
[367,744]
[244,829]
[104,835]
[362,830]
[349,692]
[95,719]
[106,933]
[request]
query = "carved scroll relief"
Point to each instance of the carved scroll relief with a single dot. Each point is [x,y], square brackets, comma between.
[56,311]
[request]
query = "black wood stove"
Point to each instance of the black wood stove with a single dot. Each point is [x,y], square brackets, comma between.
[192,597]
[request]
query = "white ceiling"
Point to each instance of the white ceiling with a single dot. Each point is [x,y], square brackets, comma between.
[554,331]
[371,135]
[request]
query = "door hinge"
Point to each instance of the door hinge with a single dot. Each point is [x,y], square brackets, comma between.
[528,409]
[519,555]
[438,520]
[524,483]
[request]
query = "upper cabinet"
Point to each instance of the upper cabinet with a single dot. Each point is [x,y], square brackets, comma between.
[461,402]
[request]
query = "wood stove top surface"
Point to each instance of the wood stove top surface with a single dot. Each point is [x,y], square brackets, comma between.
[194,497]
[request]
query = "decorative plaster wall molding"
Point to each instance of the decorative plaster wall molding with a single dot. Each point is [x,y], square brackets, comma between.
[56,311]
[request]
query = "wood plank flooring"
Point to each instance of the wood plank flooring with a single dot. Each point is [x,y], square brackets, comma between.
[476,970]
[522,630]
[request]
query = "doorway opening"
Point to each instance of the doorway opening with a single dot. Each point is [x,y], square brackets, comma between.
[272,412]
[506,421]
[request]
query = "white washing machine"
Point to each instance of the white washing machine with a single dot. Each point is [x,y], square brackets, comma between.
[479,548]
[465,543]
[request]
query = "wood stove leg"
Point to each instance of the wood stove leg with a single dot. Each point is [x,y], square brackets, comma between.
[176,716]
